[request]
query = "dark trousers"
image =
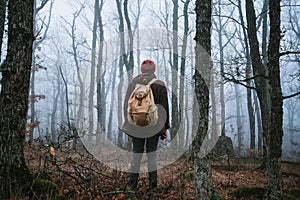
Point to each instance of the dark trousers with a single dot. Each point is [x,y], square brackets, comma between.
[138,150]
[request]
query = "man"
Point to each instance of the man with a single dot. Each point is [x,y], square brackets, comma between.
[148,135]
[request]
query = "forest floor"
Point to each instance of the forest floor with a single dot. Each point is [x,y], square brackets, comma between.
[79,176]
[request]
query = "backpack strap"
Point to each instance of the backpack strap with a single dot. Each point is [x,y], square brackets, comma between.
[152,81]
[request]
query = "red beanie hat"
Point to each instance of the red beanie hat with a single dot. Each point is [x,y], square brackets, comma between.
[148,66]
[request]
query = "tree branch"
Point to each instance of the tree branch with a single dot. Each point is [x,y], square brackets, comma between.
[43,3]
[288,52]
[236,81]
[245,79]
[292,95]
[240,83]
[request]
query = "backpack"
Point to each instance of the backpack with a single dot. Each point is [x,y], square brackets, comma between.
[142,110]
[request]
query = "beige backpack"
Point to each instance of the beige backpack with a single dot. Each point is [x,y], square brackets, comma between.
[142,110]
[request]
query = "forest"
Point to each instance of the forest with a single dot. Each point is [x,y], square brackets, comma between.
[231,70]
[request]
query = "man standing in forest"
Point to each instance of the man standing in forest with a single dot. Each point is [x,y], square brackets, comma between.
[147,134]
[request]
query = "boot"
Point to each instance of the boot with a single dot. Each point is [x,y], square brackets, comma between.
[153,179]
[133,182]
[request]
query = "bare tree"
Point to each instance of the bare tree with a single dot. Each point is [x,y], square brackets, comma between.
[275,133]
[239,123]
[56,95]
[36,60]
[258,122]
[260,71]
[130,62]
[112,104]
[127,58]
[101,111]
[174,65]
[249,81]
[14,98]
[269,92]
[290,66]
[202,168]
[93,67]
[137,26]
[121,64]
[183,66]
[75,52]
[219,25]
[264,17]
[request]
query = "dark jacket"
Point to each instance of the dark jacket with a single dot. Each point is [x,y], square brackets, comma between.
[160,97]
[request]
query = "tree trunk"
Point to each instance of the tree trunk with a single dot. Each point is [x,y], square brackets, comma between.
[264,44]
[174,97]
[274,137]
[222,96]
[120,103]
[269,93]
[32,102]
[189,102]
[259,125]
[35,58]
[80,111]
[137,27]
[66,96]
[249,82]
[112,104]
[219,26]
[202,168]
[32,78]
[54,111]
[213,101]
[93,67]
[182,88]
[259,71]
[130,63]
[3,5]
[100,80]
[14,98]
[238,119]
[121,64]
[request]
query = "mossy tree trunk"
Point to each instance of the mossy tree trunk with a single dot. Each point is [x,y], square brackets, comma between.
[203,182]
[269,92]
[274,137]
[14,173]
